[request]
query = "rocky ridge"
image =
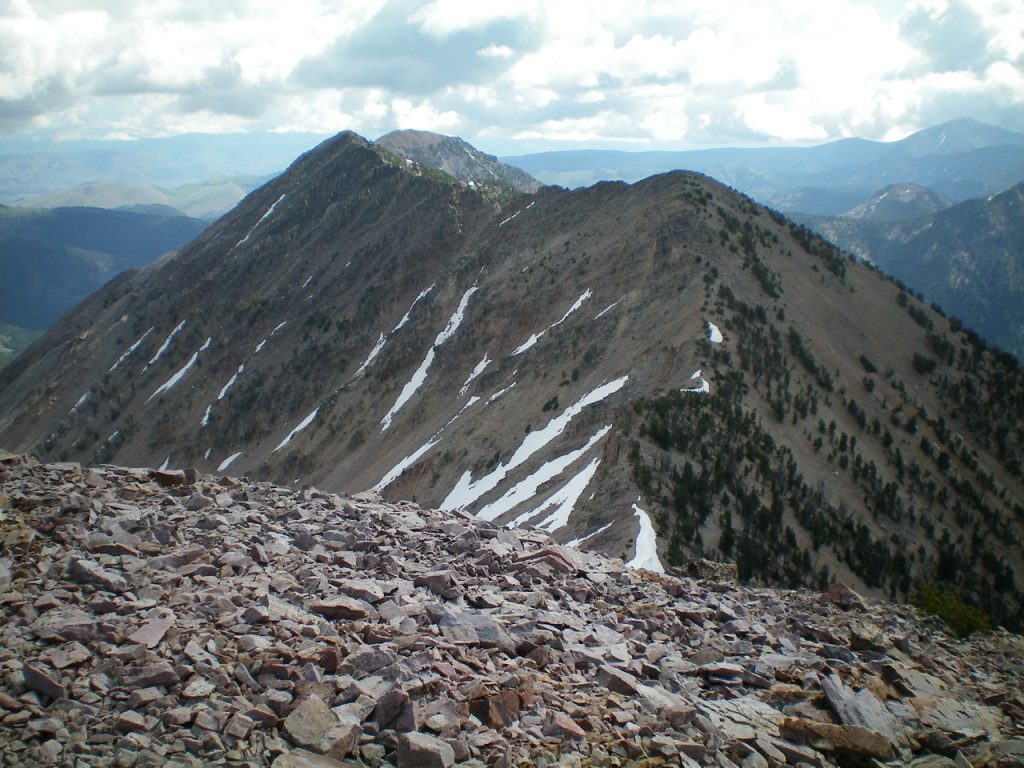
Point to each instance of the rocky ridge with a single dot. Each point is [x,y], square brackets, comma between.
[171,618]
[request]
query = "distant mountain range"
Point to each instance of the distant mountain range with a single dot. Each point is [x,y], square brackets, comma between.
[960,159]
[660,371]
[52,259]
[205,200]
[967,258]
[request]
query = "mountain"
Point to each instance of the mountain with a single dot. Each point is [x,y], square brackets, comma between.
[462,161]
[899,202]
[30,168]
[205,200]
[228,622]
[961,159]
[968,258]
[55,258]
[660,371]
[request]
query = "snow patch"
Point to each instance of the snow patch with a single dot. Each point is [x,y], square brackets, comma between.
[228,461]
[527,488]
[589,536]
[262,218]
[480,368]
[181,371]
[421,373]
[646,544]
[128,351]
[702,384]
[308,281]
[206,416]
[714,335]
[467,491]
[413,457]
[506,221]
[606,310]
[302,425]
[165,345]
[405,463]
[536,337]
[565,498]
[166,464]
[499,393]
[383,338]
[231,382]
[80,403]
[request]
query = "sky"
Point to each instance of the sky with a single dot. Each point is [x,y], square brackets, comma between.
[511,76]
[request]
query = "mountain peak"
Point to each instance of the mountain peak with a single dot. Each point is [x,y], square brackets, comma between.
[462,161]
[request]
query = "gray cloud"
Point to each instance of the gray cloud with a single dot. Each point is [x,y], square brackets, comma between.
[954,41]
[394,53]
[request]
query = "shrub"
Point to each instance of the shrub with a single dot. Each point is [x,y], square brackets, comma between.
[944,602]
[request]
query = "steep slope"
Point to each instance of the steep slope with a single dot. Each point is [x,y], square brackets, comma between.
[54,259]
[462,161]
[656,371]
[969,259]
[961,159]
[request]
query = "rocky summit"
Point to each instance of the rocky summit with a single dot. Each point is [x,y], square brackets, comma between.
[172,618]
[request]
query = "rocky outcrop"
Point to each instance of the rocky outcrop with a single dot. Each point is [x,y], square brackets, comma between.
[300,629]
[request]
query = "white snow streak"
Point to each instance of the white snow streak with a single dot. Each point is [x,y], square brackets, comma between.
[536,337]
[302,425]
[308,281]
[405,463]
[181,371]
[165,345]
[228,461]
[565,498]
[499,393]
[506,221]
[714,335]
[263,343]
[606,310]
[231,382]
[128,351]
[81,402]
[166,464]
[206,416]
[412,458]
[589,536]
[646,544]
[384,337]
[264,216]
[480,368]
[527,488]
[421,373]
[467,491]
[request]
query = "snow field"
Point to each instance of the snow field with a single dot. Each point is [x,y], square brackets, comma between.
[527,488]
[467,491]
[646,544]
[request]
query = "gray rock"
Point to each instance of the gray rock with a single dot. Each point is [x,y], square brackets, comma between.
[421,750]
[91,572]
[309,722]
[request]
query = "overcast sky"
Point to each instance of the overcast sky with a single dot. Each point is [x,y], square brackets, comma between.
[512,76]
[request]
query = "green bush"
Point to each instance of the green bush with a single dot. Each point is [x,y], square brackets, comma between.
[944,602]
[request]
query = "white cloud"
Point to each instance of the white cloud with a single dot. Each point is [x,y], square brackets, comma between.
[628,71]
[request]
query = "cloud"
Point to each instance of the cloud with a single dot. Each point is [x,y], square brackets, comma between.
[626,72]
